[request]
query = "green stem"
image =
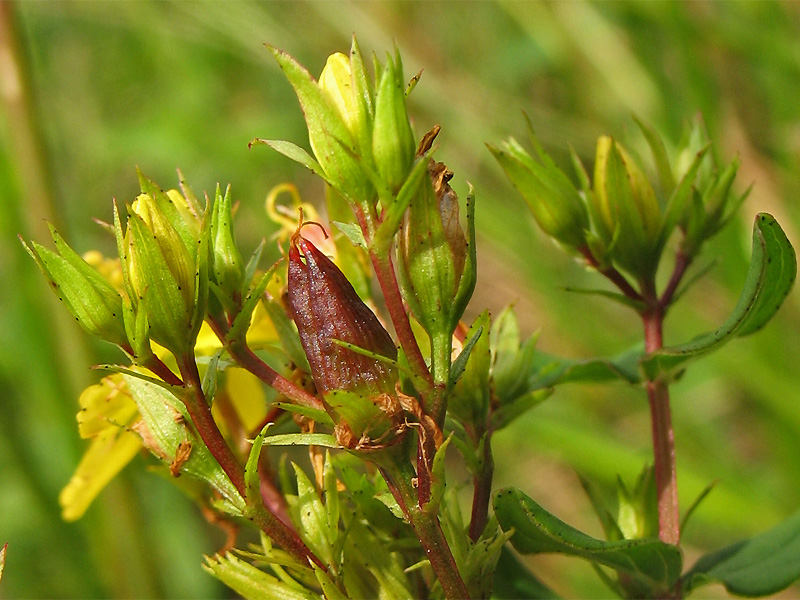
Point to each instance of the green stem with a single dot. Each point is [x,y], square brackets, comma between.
[427,528]
[441,351]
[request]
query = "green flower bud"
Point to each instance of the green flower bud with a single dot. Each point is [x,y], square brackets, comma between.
[90,298]
[436,262]
[552,198]
[227,265]
[626,211]
[331,108]
[393,145]
[162,275]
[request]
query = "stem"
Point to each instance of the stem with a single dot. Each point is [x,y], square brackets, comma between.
[247,359]
[441,351]
[663,436]
[200,413]
[612,275]
[387,280]
[428,530]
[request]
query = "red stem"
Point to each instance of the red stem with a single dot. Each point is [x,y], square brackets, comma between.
[663,435]
[387,280]
[200,413]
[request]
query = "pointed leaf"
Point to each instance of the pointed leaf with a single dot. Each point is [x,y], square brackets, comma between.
[759,566]
[773,268]
[251,582]
[651,562]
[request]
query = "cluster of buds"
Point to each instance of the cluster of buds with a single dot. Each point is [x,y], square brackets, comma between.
[171,251]
[618,218]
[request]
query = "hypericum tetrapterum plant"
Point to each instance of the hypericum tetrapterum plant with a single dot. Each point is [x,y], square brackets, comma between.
[375,512]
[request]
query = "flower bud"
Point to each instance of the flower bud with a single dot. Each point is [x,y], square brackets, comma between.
[162,275]
[627,213]
[331,109]
[552,198]
[393,144]
[358,389]
[437,270]
[227,265]
[327,309]
[90,298]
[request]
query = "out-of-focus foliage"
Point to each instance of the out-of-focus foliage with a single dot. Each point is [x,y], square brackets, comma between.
[164,85]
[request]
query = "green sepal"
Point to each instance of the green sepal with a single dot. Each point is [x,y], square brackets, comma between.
[184,220]
[252,480]
[772,272]
[251,582]
[469,275]
[93,302]
[331,140]
[760,566]
[227,264]
[386,231]
[469,398]
[650,563]
[659,152]
[393,145]
[358,412]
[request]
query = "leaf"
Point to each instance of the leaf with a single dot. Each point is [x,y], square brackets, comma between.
[650,562]
[309,514]
[353,233]
[302,439]
[770,278]
[759,566]
[513,580]
[251,582]
[293,151]
[551,370]
[315,414]
[252,479]
[165,419]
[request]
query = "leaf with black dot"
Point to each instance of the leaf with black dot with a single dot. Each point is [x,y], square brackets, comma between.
[773,268]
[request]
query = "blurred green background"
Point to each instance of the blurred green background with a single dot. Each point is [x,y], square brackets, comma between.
[162,85]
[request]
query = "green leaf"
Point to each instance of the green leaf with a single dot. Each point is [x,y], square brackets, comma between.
[302,439]
[513,580]
[649,562]
[551,370]
[329,588]
[166,434]
[251,582]
[315,414]
[309,514]
[353,233]
[771,276]
[251,476]
[295,152]
[759,566]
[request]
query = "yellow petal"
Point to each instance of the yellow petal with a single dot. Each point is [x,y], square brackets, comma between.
[106,405]
[109,452]
[247,396]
